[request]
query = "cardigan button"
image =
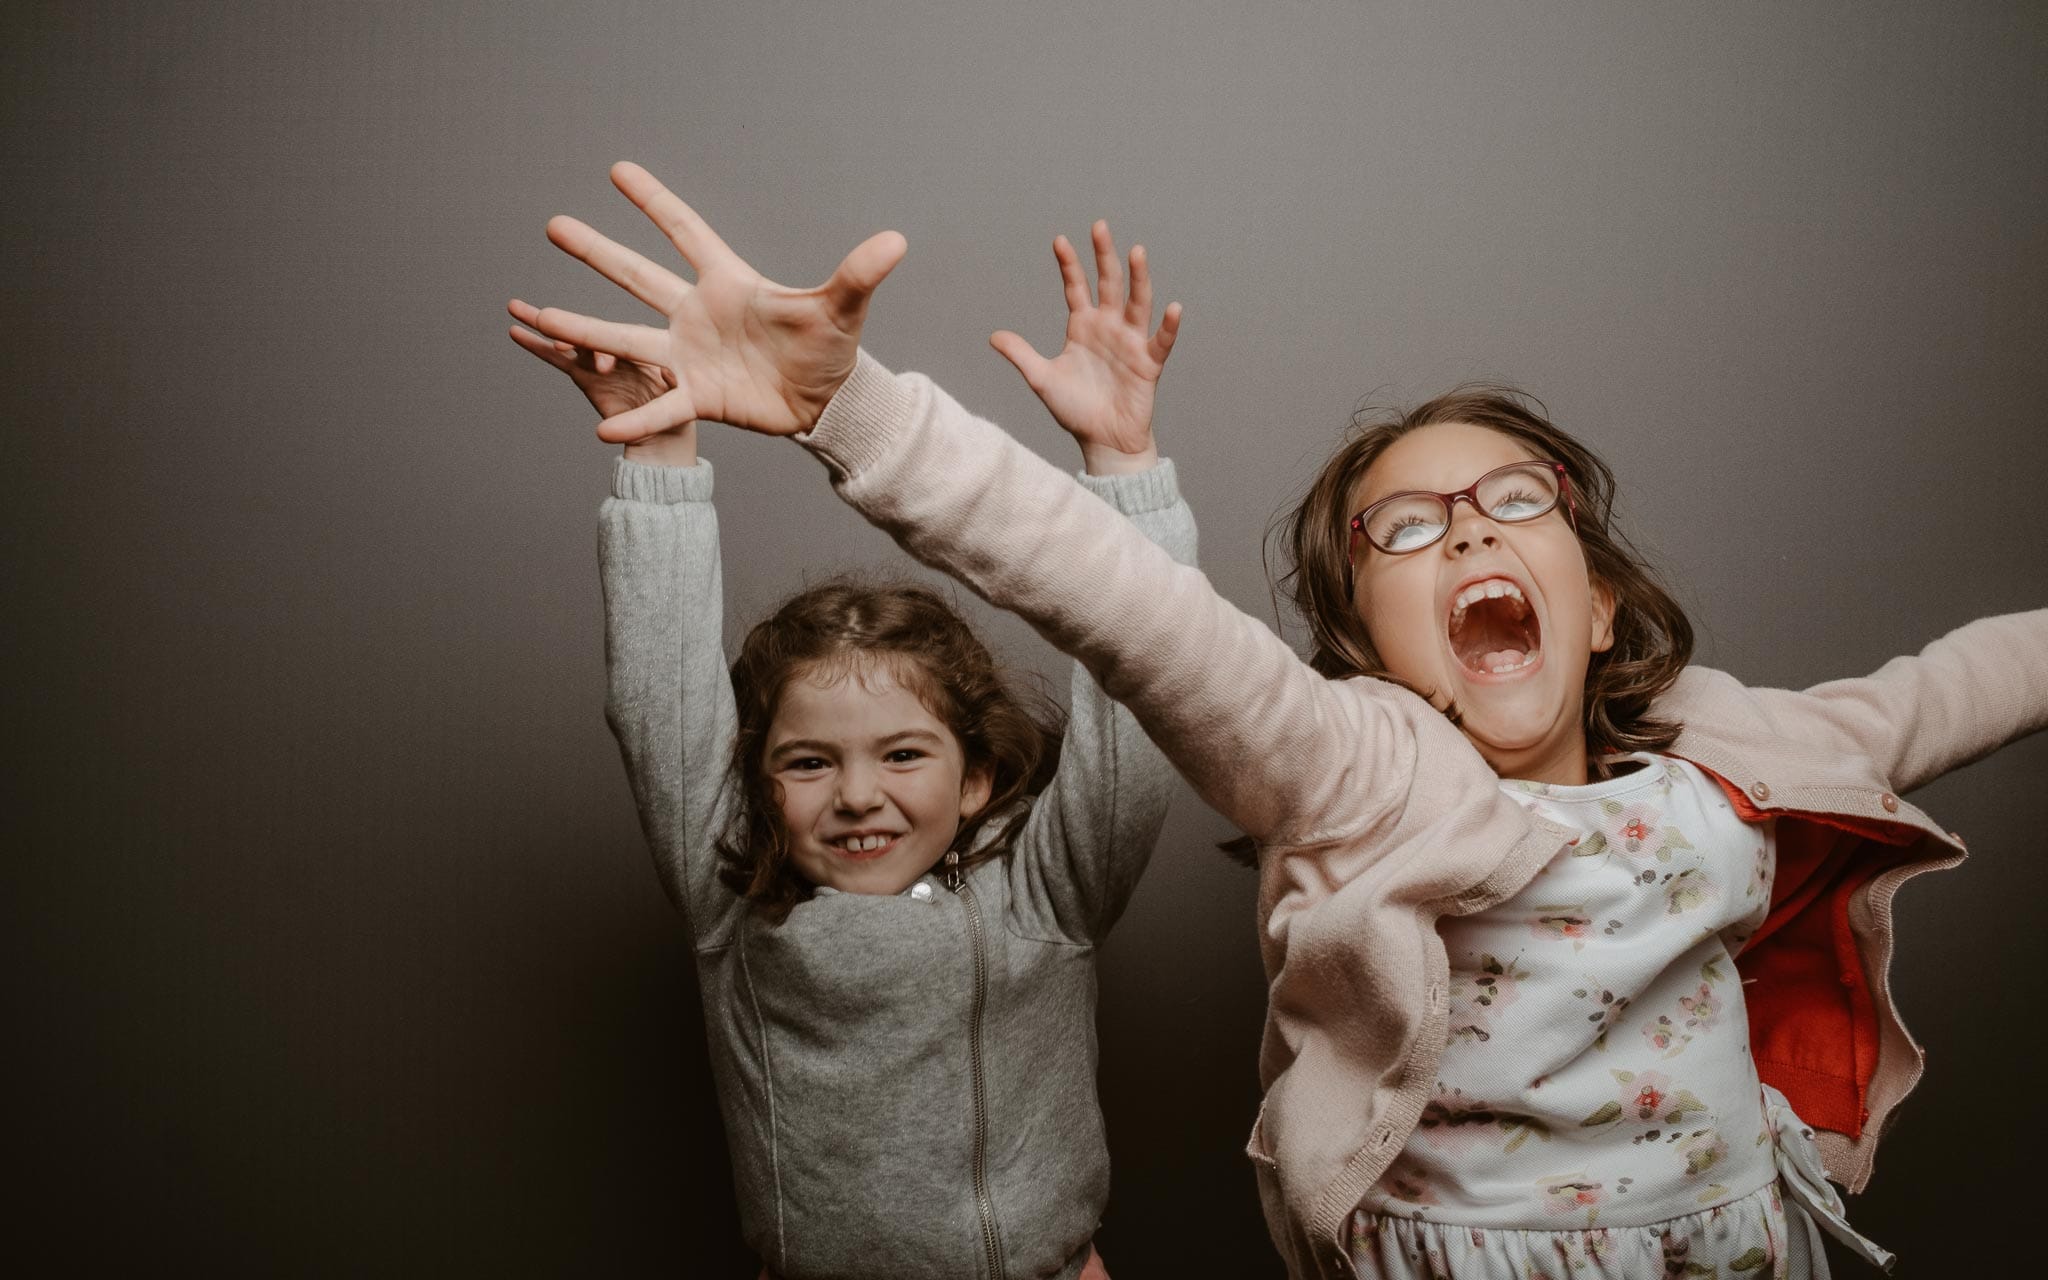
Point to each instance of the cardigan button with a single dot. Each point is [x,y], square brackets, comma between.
[1761,791]
[1889,801]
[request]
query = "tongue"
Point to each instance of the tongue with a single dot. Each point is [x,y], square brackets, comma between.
[1501,658]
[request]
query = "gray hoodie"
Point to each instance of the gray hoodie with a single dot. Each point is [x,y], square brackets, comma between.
[908,1082]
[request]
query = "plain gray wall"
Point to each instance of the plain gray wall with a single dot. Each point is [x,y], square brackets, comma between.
[331,944]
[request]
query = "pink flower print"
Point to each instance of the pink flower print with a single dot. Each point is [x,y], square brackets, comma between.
[1635,826]
[1703,1011]
[1568,1193]
[1404,1182]
[1646,1094]
[1663,1035]
[1451,1121]
[1477,995]
[1569,923]
[1702,1151]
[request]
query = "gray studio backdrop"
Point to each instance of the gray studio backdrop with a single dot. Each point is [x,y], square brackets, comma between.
[331,945]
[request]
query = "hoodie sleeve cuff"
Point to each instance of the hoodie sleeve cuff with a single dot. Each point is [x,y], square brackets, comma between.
[636,482]
[1153,489]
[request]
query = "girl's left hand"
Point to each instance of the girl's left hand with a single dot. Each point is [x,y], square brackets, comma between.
[1100,387]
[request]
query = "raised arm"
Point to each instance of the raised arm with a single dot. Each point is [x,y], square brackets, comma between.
[1274,747]
[668,700]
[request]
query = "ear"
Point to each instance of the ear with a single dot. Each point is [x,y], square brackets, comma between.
[975,787]
[1603,616]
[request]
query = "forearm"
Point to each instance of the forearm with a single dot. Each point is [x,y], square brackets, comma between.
[1958,700]
[1092,831]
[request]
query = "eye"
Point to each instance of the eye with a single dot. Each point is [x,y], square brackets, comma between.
[1408,532]
[1522,504]
[805,764]
[904,755]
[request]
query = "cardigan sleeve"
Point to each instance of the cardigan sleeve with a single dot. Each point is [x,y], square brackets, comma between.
[1081,852]
[1920,716]
[1285,754]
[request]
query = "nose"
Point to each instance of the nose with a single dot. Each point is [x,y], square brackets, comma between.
[1471,529]
[858,790]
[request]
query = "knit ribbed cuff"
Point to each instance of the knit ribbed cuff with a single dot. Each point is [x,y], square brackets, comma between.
[1134,493]
[861,420]
[637,482]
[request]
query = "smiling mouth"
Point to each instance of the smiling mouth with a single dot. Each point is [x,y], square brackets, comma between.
[864,845]
[1492,629]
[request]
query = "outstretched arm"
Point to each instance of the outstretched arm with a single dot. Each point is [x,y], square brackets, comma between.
[668,700]
[1274,747]
[1956,701]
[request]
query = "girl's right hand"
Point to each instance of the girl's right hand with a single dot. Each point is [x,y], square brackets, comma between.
[613,386]
[738,347]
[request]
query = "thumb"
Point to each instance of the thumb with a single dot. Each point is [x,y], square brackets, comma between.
[1019,353]
[871,261]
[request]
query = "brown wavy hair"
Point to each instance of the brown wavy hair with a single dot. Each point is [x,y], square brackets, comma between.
[1652,637]
[839,627]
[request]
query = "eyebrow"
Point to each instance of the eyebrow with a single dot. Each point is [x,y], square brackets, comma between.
[812,746]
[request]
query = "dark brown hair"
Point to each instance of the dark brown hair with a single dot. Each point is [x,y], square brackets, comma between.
[839,627]
[1652,638]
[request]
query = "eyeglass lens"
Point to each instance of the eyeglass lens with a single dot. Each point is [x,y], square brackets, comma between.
[1511,494]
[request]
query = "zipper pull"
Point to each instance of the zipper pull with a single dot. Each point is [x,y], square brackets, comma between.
[954,878]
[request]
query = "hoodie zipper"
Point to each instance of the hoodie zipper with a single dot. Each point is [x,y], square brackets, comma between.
[991,1239]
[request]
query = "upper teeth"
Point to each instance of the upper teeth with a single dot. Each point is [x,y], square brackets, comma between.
[1491,589]
[863,844]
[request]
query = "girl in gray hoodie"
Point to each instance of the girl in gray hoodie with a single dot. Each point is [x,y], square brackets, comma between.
[894,899]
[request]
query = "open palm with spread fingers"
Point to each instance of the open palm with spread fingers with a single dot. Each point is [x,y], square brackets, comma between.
[738,347]
[1101,385]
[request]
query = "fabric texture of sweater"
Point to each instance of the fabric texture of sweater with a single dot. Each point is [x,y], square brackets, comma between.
[1374,816]
[907,1082]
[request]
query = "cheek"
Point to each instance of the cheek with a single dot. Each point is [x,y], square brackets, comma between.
[1398,616]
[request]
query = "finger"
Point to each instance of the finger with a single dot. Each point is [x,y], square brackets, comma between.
[1161,345]
[660,414]
[689,233]
[633,341]
[1109,280]
[522,311]
[860,273]
[1075,283]
[1138,312]
[543,348]
[656,286]
[603,361]
[1021,354]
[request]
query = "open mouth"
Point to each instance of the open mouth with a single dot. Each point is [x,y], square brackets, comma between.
[1492,628]
[865,845]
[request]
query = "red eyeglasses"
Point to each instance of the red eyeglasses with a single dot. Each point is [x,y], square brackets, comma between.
[1411,520]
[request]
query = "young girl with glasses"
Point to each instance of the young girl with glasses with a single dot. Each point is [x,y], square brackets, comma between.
[1577,953]
[894,895]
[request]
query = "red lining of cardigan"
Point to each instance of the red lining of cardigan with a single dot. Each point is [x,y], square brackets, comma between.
[1813,1027]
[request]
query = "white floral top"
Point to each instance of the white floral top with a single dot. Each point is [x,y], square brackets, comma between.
[1598,1066]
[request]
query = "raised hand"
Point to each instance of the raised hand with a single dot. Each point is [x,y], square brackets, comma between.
[738,347]
[613,386]
[1100,386]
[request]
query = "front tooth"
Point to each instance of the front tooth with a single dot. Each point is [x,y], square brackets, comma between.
[1496,589]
